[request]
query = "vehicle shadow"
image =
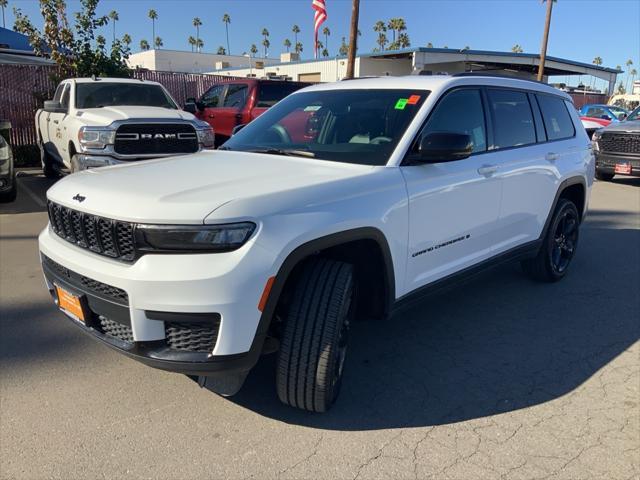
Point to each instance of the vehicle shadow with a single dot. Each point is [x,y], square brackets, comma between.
[498,343]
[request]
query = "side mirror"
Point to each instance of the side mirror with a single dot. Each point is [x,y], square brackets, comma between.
[190,107]
[605,117]
[237,128]
[53,106]
[201,106]
[440,147]
[623,116]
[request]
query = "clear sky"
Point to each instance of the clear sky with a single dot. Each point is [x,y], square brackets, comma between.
[580,29]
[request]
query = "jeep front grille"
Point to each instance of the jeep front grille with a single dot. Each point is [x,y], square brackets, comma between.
[155,139]
[612,142]
[104,236]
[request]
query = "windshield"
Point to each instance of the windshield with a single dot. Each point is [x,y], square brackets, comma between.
[102,94]
[617,110]
[635,115]
[350,126]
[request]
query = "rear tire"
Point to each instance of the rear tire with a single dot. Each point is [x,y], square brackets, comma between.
[314,342]
[604,176]
[558,247]
[48,164]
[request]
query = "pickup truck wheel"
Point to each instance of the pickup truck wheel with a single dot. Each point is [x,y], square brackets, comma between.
[314,342]
[558,247]
[48,167]
[604,176]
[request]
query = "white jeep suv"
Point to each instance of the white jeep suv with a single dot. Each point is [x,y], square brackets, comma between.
[340,203]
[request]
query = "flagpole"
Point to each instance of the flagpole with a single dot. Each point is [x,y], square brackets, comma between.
[353,40]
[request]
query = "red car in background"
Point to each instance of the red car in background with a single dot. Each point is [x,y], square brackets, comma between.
[591,124]
[236,102]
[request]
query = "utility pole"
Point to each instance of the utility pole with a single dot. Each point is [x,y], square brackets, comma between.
[545,39]
[353,40]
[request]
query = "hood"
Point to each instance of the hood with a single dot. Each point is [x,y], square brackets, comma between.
[631,126]
[107,115]
[185,190]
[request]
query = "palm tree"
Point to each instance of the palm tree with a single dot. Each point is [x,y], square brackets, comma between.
[3,5]
[597,62]
[266,44]
[287,44]
[628,63]
[192,42]
[197,23]
[153,15]
[144,45]
[403,40]
[298,47]
[344,48]
[126,39]
[326,32]
[429,45]
[396,25]
[226,19]
[380,28]
[517,48]
[113,15]
[253,50]
[633,73]
[199,44]
[158,43]
[319,48]
[221,50]
[296,30]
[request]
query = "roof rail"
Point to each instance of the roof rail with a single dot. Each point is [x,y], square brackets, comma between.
[498,75]
[359,78]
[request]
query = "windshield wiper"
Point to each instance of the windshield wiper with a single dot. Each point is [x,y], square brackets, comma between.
[291,152]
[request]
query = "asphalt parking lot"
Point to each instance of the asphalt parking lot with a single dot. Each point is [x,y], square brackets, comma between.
[500,378]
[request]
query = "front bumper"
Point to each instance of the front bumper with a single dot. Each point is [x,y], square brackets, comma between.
[150,309]
[606,162]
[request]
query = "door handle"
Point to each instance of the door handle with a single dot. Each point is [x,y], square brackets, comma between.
[488,170]
[551,157]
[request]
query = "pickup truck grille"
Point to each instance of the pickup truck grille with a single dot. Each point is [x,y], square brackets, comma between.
[104,236]
[155,139]
[620,142]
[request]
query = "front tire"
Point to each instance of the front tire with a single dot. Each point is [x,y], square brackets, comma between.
[10,195]
[559,245]
[48,164]
[604,176]
[314,342]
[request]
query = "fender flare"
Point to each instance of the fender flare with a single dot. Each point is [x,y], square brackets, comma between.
[575,180]
[304,251]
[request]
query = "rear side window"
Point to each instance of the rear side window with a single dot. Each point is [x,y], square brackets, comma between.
[512,118]
[557,121]
[211,98]
[460,112]
[271,93]
[236,96]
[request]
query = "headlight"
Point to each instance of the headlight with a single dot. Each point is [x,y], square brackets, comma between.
[595,137]
[201,238]
[92,137]
[206,136]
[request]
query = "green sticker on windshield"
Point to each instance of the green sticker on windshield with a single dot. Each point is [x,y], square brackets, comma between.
[401,103]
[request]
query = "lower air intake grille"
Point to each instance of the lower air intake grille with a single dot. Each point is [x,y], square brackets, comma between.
[192,337]
[116,330]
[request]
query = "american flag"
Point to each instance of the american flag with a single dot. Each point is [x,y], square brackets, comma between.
[318,19]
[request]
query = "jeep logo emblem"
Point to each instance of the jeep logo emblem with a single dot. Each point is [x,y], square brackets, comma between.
[155,136]
[79,198]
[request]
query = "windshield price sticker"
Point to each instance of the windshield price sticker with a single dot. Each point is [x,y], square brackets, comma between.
[413,99]
[401,103]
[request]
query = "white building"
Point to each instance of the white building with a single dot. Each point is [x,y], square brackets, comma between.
[420,61]
[189,62]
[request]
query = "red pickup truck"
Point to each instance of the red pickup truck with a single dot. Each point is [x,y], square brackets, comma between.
[236,102]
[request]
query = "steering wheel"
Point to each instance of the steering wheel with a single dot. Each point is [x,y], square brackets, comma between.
[276,134]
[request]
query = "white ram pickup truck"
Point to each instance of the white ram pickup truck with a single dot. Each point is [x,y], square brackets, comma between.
[93,122]
[342,202]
